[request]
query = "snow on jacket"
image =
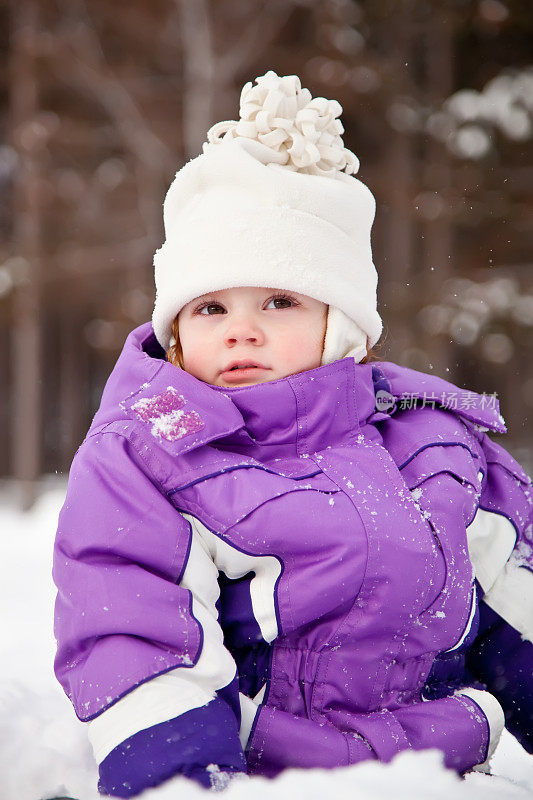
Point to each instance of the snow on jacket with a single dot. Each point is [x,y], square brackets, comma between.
[282,575]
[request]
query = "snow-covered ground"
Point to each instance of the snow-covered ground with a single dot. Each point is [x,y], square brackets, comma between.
[44,749]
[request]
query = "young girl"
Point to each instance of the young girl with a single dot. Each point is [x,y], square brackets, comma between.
[274,551]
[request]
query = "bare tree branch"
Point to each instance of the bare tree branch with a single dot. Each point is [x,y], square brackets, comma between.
[255,40]
[199,72]
[90,65]
[207,75]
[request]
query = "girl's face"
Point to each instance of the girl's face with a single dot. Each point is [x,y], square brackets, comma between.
[282,332]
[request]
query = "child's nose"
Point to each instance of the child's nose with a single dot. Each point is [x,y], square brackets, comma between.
[244,331]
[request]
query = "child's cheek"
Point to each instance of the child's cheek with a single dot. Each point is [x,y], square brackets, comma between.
[198,358]
[300,349]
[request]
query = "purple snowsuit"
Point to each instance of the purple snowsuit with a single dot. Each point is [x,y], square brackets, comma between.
[304,542]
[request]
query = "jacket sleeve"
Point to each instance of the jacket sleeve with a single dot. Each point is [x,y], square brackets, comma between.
[500,540]
[140,651]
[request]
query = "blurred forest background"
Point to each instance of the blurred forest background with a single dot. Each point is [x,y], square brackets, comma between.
[102,102]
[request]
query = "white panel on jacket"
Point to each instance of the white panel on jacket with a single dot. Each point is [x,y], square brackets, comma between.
[491,538]
[511,597]
[249,708]
[235,564]
[502,574]
[180,690]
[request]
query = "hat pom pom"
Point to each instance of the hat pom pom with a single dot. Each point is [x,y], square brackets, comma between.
[299,132]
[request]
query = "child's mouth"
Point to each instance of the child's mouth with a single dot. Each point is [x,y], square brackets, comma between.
[237,373]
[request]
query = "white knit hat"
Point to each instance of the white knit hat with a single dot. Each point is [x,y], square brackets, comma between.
[267,203]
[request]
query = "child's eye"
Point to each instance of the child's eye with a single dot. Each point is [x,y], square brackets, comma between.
[208,305]
[283,298]
[280,301]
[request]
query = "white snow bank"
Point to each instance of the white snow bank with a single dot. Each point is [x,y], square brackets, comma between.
[44,749]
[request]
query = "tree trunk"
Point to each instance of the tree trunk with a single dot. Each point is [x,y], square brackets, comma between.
[26,321]
[438,262]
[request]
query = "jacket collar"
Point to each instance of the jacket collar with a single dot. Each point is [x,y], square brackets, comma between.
[292,416]
[307,411]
